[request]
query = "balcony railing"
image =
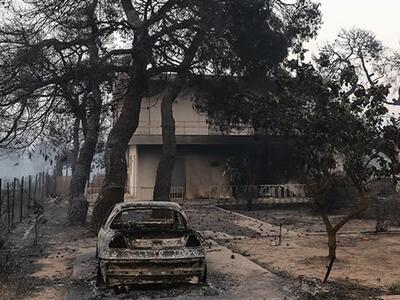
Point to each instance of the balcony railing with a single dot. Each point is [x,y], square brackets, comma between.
[188,128]
[266,193]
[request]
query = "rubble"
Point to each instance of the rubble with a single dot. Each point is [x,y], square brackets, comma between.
[306,288]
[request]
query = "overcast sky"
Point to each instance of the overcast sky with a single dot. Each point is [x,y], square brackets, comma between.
[380,16]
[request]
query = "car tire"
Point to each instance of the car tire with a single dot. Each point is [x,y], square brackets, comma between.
[99,279]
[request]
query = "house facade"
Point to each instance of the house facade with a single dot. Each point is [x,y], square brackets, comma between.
[202,152]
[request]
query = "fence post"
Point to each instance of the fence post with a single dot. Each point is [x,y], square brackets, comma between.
[47,184]
[42,183]
[21,200]
[8,206]
[43,186]
[39,196]
[1,198]
[29,190]
[13,202]
[35,189]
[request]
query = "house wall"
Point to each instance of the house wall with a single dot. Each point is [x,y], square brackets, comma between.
[201,152]
[202,172]
[147,166]
[187,120]
[196,169]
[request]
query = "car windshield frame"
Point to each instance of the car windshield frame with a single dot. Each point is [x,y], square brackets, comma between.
[177,214]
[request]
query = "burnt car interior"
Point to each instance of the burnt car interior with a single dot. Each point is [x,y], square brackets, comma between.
[134,220]
[154,223]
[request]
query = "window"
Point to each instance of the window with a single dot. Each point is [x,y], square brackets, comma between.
[148,219]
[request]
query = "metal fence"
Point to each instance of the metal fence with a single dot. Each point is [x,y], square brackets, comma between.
[19,197]
[91,194]
[138,193]
[266,193]
[146,193]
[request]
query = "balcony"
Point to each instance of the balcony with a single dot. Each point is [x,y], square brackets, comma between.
[188,128]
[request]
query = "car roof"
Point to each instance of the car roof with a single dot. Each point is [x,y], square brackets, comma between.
[147,204]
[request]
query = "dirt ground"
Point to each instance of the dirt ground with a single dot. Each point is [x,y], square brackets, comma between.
[366,259]
[42,271]
[245,260]
[63,266]
[303,219]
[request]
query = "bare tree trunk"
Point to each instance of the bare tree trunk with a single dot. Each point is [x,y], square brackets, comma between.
[113,189]
[329,269]
[166,163]
[333,230]
[78,205]
[75,141]
[332,244]
[165,167]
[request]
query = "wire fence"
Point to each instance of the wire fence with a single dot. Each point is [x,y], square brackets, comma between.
[19,197]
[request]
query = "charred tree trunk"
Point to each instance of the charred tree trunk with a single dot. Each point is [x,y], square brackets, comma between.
[113,189]
[166,163]
[165,167]
[333,230]
[75,150]
[78,205]
[332,244]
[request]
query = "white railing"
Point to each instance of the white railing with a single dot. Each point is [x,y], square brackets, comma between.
[143,193]
[137,193]
[91,194]
[187,128]
[266,193]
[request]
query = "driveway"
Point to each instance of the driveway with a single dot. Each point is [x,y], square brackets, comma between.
[230,276]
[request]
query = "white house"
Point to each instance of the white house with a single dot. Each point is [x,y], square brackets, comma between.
[201,152]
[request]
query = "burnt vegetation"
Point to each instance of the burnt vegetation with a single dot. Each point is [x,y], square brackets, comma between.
[73,75]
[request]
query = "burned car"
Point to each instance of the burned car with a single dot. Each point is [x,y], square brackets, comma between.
[149,242]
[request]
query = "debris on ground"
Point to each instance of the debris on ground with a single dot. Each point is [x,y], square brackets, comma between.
[306,288]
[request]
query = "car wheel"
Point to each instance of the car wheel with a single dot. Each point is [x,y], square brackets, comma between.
[203,277]
[99,279]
